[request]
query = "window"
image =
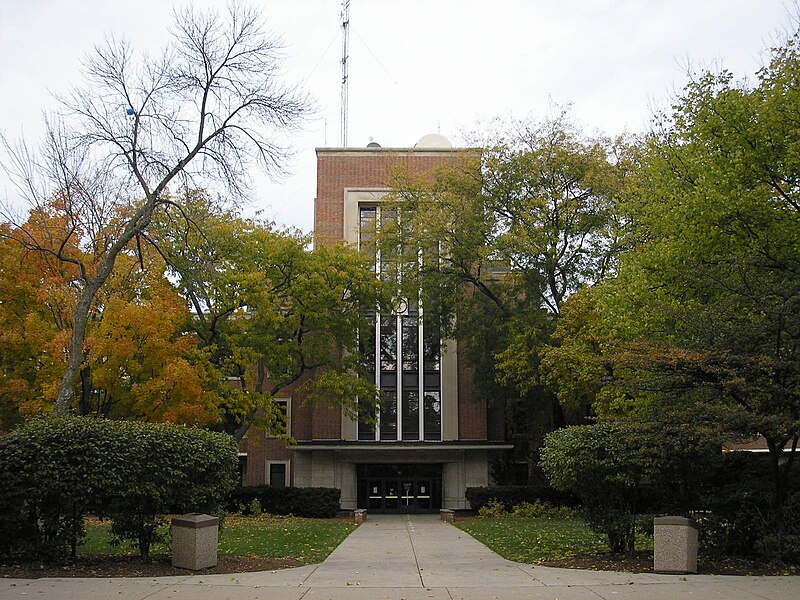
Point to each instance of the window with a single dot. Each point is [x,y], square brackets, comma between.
[401,351]
[242,468]
[276,474]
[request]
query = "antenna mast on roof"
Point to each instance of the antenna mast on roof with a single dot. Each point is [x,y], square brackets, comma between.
[345,46]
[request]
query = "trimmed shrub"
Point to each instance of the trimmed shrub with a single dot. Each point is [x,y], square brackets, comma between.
[596,463]
[56,470]
[619,469]
[170,469]
[492,510]
[739,514]
[542,510]
[512,495]
[321,503]
[312,502]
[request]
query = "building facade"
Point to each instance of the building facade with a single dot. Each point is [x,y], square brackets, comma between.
[432,440]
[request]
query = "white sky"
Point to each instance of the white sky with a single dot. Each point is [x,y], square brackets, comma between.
[416,66]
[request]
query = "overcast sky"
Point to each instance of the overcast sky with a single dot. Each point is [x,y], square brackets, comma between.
[416,66]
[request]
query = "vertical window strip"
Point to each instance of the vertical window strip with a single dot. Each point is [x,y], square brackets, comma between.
[390,338]
[421,367]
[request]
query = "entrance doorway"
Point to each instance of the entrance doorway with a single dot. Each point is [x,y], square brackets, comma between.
[400,488]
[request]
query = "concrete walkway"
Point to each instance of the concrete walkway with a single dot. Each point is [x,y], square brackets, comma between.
[411,558]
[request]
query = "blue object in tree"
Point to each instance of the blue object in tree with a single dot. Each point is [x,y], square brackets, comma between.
[130,111]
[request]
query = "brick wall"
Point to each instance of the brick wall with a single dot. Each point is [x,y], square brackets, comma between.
[338,169]
[259,448]
[326,421]
[375,168]
[472,418]
[301,420]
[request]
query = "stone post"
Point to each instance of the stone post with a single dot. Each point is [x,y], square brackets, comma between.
[194,541]
[674,545]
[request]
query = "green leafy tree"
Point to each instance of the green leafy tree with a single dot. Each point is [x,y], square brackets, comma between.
[521,225]
[270,312]
[599,465]
[717,262]
[705,310]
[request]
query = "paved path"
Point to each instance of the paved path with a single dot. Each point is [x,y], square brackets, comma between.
[411,558]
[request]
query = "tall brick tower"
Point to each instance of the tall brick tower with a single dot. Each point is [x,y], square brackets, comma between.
[431,440]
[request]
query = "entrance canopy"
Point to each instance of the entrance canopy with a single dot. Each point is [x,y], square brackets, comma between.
[407,447]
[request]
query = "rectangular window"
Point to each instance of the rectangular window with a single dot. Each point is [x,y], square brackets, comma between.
[431,343]
[410,414]
[277,474]
[366,347]
[388,416]
[366,421]
[366,344]
[405,359]
[433,416]
[366,232]
[410,344]
[388,343]
[388,256]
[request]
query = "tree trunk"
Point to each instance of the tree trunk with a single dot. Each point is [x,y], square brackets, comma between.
[87,391]
[80,316]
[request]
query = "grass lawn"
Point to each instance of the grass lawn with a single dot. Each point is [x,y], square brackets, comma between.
[540,539]
[305,540]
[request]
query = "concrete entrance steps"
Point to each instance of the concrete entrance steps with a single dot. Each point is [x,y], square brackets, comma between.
[417,557]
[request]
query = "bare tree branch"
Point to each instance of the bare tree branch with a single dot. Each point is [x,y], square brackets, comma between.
[202,114]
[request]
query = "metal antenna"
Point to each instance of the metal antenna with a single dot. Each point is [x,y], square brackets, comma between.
[345,47]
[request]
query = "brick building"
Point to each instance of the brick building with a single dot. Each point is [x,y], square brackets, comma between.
[432,440]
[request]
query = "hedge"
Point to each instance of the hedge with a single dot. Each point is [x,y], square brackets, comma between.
[739,510]
[513,495]
[621,469]
[57,470]
[311,502]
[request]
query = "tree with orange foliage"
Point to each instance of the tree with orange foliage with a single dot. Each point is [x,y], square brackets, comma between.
[205,111]
[139,360]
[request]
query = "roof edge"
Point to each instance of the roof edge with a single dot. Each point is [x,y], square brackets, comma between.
[326,150]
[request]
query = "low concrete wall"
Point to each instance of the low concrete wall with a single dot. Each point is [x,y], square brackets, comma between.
[455,514]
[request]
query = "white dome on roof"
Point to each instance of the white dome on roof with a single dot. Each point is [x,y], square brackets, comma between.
[433,140]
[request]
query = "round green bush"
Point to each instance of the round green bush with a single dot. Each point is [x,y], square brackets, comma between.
[57,470]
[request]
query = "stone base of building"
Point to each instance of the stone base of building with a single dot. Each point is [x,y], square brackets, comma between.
[387,478]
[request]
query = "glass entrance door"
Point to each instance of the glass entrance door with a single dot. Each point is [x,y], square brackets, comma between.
[391,501]
[400,488]
[423,493]
[408,499]
[375,495]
